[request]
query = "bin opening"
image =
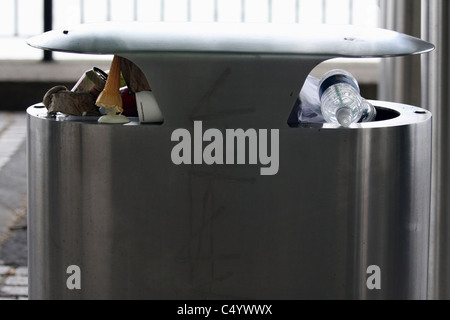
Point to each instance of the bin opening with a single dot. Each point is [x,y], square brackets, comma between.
[385,114]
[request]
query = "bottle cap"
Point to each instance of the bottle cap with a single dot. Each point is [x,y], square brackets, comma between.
[344,117]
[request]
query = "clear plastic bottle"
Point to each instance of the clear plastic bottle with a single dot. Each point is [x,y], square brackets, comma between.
[340,98]
[369,113]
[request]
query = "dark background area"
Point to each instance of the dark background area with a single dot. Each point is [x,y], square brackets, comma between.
[18,96]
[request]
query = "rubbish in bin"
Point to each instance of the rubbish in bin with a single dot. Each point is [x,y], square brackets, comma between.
[110,97]
[340,98]
[128,102]
[369,113]
[92,81]
[147,106]
[310,101]
[81,99]
[61,99]
[309,105]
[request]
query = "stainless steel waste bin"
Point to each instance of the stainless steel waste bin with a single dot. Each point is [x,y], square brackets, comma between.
[315,215]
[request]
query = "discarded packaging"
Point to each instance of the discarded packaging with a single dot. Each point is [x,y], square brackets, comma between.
[60,99]
[92,81]
[110,97]
[147,106]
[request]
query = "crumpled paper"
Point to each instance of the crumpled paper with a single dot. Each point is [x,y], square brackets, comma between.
[133,76]
[61,99]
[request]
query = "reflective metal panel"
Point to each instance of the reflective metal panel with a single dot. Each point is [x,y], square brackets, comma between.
[109,199]
[248,38]
[436,70]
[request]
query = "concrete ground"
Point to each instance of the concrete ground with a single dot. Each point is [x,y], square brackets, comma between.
[13,193]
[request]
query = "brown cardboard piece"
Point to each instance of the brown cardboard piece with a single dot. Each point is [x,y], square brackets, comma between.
[60,99]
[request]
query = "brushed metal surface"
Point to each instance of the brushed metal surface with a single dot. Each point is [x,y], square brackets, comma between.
[238,38]
[436,69]
[109,199]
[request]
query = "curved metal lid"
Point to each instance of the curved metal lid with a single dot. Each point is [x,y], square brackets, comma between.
[233,38]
